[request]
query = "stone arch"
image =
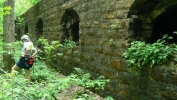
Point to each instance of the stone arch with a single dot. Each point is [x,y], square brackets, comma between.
[146,16]
[162,7]
[69,25]
[39,28]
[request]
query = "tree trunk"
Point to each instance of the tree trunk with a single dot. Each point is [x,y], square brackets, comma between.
[8,35]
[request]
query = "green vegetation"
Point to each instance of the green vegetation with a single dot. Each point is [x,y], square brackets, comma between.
[3,11]
[68,44]
[22,6]
[140,54]
[49,47]
[46,82]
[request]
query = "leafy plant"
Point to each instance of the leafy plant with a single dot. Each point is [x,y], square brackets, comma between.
[3,12]
[84,79]
[9,87]
[140,53]
[68,44]
[49,47]
[108,98]
[20,21]
[6,10]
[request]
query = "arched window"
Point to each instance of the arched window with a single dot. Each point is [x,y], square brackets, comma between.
[39,28]
[26,28]
[69,25]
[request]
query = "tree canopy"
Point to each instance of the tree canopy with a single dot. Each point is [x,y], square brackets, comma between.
[22,6]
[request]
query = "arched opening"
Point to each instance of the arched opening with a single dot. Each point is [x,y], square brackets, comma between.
[69,25]
[39,28]
[152,19]
[166,23]
[26,28]
[17,30]
[18,34]
[140,15]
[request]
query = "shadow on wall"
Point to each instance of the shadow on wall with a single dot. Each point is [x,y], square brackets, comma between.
[69,26]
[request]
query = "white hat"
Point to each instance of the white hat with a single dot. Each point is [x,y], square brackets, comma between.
[25,37]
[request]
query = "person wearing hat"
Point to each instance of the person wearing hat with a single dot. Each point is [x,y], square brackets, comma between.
[28,51]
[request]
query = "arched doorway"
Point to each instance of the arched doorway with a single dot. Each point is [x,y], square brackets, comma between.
[69,25]
[26,28]
[18,32]
[39,28]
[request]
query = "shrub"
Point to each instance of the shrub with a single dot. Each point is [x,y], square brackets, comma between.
[141,53]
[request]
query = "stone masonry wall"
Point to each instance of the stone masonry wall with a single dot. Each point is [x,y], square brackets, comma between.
[101,46]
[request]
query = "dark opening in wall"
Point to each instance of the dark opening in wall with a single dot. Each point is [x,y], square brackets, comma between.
[166,23]
[17,30]
[39,28]
[69,25]
[18,34]
[26,28]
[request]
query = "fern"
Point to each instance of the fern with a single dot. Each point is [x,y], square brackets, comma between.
[79,72]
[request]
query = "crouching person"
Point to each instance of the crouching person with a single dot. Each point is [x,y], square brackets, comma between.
[27,57]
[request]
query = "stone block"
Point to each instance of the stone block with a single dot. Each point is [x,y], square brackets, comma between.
[122,14]
[117,64]
[111,15]
[111,6]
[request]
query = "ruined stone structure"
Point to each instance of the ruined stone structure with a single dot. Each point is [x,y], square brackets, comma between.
[102,28]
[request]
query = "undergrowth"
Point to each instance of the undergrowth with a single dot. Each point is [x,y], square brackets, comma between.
[141,54]
[46,83]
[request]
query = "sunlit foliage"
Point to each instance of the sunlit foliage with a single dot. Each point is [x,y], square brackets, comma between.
[22,6]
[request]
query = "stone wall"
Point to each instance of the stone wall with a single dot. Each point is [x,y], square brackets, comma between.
[105,27]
